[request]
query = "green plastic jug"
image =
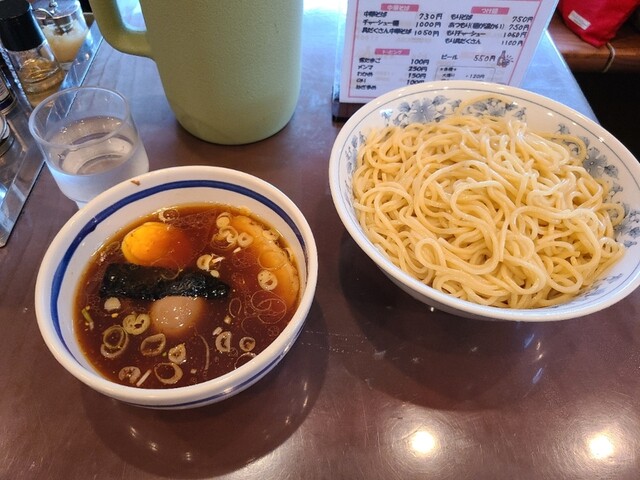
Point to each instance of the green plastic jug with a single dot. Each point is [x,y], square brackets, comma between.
[230,68]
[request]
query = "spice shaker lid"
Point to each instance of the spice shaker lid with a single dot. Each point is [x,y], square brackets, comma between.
[55,8]
[60,13]
[19,30]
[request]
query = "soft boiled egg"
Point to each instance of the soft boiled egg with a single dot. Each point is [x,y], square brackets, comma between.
[157,244]
[173,315]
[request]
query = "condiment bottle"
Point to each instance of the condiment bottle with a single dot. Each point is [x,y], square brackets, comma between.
[8,163]
[64,27]
[37,69]
[6,136]
[7,98]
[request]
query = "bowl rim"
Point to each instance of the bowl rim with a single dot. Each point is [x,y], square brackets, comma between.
[108,203]
[441,299]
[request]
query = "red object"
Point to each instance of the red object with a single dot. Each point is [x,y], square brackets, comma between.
[596,21]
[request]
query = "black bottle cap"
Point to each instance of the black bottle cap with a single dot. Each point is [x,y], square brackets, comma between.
[19,29]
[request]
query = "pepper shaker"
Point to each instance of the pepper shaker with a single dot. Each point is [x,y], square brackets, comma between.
[37,69]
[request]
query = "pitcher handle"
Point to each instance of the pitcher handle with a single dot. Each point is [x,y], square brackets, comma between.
[116,32]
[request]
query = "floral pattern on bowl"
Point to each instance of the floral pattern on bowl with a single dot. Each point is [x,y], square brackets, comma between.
[606,159]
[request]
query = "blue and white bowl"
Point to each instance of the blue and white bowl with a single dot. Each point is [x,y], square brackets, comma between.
[427,102]
[69,253]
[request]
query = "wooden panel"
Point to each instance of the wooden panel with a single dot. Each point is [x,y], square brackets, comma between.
[627,50]
[622,56]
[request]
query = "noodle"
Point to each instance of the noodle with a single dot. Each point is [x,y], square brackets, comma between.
[484,209]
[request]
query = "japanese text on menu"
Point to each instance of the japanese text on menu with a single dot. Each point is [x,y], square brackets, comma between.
[389,45]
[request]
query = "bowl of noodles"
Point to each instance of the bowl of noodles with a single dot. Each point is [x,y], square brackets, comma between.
[488,201]
[179,288]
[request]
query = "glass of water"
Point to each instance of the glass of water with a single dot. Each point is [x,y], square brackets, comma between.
[89,140]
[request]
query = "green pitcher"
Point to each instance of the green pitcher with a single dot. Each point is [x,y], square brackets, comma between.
[230,68]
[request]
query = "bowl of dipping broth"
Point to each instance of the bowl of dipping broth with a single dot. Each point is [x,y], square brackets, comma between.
[488,201]
[179,288]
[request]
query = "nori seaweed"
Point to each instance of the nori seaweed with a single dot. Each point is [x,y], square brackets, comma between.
[153,283]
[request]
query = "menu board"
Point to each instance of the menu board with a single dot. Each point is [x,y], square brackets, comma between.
[388,45]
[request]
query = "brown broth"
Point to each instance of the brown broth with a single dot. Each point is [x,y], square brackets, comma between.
[248,312]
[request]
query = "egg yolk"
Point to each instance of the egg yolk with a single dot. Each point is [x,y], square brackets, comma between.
[157,244]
